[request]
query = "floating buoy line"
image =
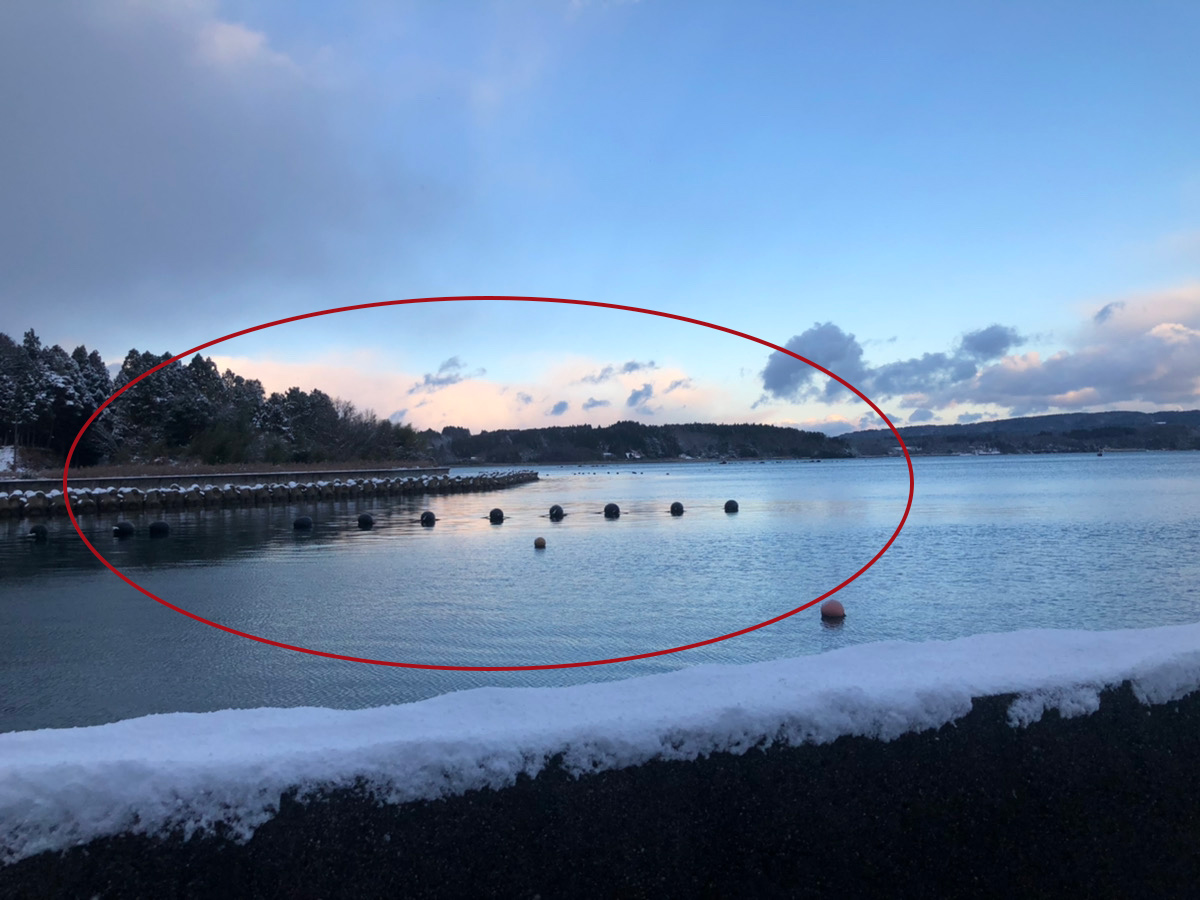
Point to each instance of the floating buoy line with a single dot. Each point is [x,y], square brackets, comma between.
[366,522]
[832,611]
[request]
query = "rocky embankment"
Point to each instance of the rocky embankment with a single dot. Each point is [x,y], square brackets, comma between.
[85,501]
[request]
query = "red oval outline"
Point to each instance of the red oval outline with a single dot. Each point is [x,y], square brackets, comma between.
[573,665]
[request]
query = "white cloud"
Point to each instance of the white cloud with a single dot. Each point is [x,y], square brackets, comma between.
[230,45]
[1174,333]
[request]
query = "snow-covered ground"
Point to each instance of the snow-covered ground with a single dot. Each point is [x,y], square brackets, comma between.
[190,770]
[8,459]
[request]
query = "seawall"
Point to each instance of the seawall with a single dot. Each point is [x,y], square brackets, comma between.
[203,493]
[1099,805]
[144,482]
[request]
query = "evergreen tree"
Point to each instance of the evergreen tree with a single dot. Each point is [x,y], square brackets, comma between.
[190,411]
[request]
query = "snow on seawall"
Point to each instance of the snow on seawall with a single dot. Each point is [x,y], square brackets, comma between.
[60,787]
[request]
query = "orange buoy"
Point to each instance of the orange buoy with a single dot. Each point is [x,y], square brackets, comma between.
[832,609]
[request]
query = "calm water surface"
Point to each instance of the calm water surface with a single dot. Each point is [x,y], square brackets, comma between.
[992,544]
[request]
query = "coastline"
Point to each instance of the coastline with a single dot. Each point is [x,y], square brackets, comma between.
[204,494]
[146,476]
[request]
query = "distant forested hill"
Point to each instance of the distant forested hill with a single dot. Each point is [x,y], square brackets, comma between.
[631,440]
[1062,433]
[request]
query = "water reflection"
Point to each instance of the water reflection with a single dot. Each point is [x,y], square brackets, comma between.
[77,645]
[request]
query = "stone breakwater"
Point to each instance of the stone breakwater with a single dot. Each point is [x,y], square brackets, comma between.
[198,495]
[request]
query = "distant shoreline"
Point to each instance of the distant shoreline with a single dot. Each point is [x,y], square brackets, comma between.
[128,475]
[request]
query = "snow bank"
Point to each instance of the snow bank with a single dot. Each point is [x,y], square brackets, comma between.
[193,770]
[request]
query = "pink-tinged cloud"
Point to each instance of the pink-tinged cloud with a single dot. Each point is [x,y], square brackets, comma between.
[455,395]
[356,378]
[1143,350]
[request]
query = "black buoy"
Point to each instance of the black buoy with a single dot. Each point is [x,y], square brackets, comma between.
[366,522]
[302,523]
[731,506]
[556,513]
[612,511]
[39,533]
[677,508]
[428,518]
[159,529]
[539,543]
[496,516]
[123,530]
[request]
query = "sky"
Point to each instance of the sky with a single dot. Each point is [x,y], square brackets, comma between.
[965,210]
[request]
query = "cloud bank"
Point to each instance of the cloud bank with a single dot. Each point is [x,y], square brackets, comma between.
[1143,350]
[164,148]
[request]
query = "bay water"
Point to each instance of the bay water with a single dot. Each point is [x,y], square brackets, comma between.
[997,543]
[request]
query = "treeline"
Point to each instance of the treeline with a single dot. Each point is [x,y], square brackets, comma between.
[1058,433]
[193,412]
[626,439]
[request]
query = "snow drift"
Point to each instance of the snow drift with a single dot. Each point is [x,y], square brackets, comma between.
[189,771]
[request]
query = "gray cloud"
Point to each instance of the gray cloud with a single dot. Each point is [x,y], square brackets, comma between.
[558,408]
[593,403]
[524,399]
[598,377]
[676,385]
[921,415]
[1106,311]
[919,375]
[1152,356]
[968,418]
[635,366]
[448,373]
[398,416]
[990,343]
[639,397]
[164,152]
[828,346]
[609,371]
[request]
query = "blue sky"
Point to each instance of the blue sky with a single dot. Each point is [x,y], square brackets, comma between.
[935,200]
